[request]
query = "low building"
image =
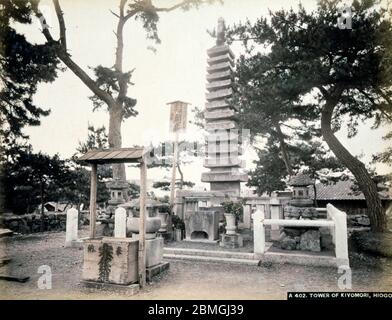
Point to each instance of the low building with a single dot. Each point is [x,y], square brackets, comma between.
[345,196]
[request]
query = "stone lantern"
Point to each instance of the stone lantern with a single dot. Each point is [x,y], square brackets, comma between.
[300,206]
[118,190]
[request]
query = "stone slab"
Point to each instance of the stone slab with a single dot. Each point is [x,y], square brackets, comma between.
[219,94]
[154,252]
[223,177]
[219,50]
[231,241]
[155,270]
[110,260]
[225,57]
[217,76]
[131,289]
[201,241]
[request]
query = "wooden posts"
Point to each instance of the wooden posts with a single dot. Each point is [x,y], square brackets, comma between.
[93,200]
[142,225]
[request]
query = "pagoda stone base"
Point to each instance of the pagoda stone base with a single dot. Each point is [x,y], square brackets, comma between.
[231,241]
[228,188]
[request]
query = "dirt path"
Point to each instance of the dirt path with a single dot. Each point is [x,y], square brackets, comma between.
[184,280]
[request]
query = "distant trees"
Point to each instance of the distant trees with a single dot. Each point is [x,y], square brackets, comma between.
[25,177]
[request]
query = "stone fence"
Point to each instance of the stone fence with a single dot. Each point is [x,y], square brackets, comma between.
[336,222]
[273,208]
[31,223]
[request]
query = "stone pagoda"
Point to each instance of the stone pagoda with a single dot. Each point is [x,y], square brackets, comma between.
[223,139]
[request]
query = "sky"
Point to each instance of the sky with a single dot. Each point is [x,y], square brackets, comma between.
[175,72]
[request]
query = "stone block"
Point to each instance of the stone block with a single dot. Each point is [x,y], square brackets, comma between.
[154,252]
[202,225]
[310,241]
[110,260]
[231,241]
[153,271]
[288,243]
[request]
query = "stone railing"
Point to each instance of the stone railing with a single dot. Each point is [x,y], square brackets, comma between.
[336,222]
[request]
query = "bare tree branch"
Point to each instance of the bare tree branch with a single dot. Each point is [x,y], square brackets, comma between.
[115,14]
[60,18]
[65,57]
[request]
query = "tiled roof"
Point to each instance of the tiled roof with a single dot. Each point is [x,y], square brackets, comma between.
[341,190]
[301,179]
[119,155]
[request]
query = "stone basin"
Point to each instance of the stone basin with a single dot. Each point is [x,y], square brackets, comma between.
[152,224]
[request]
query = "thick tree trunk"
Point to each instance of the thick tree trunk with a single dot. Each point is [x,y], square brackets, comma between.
[114,137]
[368,187]
[181,176]
[283,149]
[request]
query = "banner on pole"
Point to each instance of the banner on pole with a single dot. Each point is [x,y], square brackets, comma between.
[178,116]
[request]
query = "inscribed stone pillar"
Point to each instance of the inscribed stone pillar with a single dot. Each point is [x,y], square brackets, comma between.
[120,223]
[71,231]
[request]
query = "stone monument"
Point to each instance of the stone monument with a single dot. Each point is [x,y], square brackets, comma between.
[223,139]
[301,207]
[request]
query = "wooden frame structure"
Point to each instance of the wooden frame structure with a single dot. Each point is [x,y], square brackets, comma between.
[115,156]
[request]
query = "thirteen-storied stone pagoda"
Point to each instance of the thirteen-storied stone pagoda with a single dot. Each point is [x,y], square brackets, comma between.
[223,140]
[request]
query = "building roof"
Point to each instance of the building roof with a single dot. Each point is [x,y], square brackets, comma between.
[301,179]
[341,190]
[115,155]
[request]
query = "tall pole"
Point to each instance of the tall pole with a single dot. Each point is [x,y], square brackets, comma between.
[93,200]
[142,224]
[174,170]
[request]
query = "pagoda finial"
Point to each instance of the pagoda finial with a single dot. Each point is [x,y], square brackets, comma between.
[221,32]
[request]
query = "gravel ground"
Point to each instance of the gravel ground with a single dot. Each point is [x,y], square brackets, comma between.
[184,280]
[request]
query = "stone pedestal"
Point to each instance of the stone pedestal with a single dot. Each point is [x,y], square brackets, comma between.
[110,260]
[231,241]
[202,226]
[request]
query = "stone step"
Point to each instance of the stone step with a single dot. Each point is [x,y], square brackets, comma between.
[220,94]
[226,57]
[219,114]
[211,259]
[220,125]
[220,67]
[220,50]
[223,177]
[218,85]
[210,253]
[217,76]
[220,104]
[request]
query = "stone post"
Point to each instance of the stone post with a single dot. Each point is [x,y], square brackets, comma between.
[341,245]
[258,232]
[247,211]
[275,214]
[71,233]
[120,223]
